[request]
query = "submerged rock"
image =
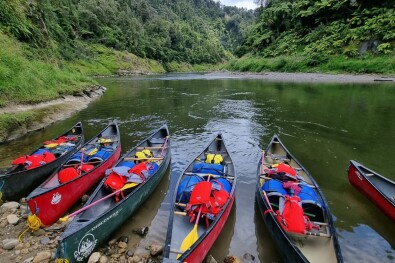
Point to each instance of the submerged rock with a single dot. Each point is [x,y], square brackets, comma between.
[232,259]
[141,231]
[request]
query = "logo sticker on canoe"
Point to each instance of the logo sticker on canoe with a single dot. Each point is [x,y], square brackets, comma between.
[85,247]
[56,198]
[359,175]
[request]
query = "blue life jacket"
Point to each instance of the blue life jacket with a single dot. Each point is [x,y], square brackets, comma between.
[208,168]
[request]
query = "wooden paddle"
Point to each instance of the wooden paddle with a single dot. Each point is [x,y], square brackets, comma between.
[126,186]
[193,236]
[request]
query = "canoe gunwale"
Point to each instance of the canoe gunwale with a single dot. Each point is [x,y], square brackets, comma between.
[369,189]
[277,232]
[359,168]
[226,208]
[30,179]
[76,230]
[43,190]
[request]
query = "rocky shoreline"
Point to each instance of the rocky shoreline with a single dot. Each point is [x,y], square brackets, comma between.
[21,244]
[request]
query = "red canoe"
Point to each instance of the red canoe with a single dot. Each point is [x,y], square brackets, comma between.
[380,190]
[194,226]
[72,180]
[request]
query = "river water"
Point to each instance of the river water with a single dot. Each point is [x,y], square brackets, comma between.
[323,125]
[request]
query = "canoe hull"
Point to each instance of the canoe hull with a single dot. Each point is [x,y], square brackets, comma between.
[102,214]
[20,184]
[358,179]
[180,226]
[54,203]
[318,245]
[97,233]
[288,252]
[200,252]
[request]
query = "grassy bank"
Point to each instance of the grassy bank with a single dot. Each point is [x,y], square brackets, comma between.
[30,76]
[367,64]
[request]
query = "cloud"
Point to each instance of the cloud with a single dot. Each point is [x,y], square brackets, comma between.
[249,4]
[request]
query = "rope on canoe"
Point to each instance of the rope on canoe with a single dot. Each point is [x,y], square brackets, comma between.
[33,223]
[1,191]
[61,260]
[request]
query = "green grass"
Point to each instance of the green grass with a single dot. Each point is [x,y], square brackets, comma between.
[26,80]
[105,61]
[367,64]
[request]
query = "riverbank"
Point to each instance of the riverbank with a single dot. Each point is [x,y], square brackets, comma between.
[308,77]
[19,119]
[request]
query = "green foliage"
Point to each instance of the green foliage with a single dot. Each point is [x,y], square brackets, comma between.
[320,29]
[315,63]
[181,30]
[384,48]
[29,80]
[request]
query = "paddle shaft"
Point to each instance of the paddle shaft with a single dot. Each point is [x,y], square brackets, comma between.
[164,146]
[101,199]
[264,192]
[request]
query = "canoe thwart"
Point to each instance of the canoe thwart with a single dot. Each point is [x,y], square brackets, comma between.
[319,223]
[141,159]
[212,175]
[317,234]
[180,213]
[176,251]
[278,157]
[150,148]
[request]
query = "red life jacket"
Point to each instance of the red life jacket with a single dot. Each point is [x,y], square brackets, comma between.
[209,200]
[115,182]
[61,139]
[286,169]
[69,173]
[292,218]
[138,169]
[35,160]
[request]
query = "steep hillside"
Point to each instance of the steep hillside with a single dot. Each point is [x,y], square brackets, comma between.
[299,35]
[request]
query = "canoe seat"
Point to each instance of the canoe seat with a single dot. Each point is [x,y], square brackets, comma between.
[156,141]
[313,210]
[276,199]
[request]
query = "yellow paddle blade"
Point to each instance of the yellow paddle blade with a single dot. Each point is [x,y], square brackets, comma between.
[189,240]
[128,185]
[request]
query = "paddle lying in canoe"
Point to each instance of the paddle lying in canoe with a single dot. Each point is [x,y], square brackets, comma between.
[29,171]
[125,187]
[68,184]
[200,206]
[294,209]
[380,190]
[117,197]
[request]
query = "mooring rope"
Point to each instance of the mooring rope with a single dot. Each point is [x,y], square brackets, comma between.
[33,223]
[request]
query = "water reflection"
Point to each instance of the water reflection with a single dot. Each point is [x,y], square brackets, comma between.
[323,125]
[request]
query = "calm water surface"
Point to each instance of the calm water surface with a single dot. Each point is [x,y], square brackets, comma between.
[323,125]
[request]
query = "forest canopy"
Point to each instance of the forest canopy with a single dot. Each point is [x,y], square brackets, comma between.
[198,31]
[322,28]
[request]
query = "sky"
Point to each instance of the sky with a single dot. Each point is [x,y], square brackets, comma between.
[249,4]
